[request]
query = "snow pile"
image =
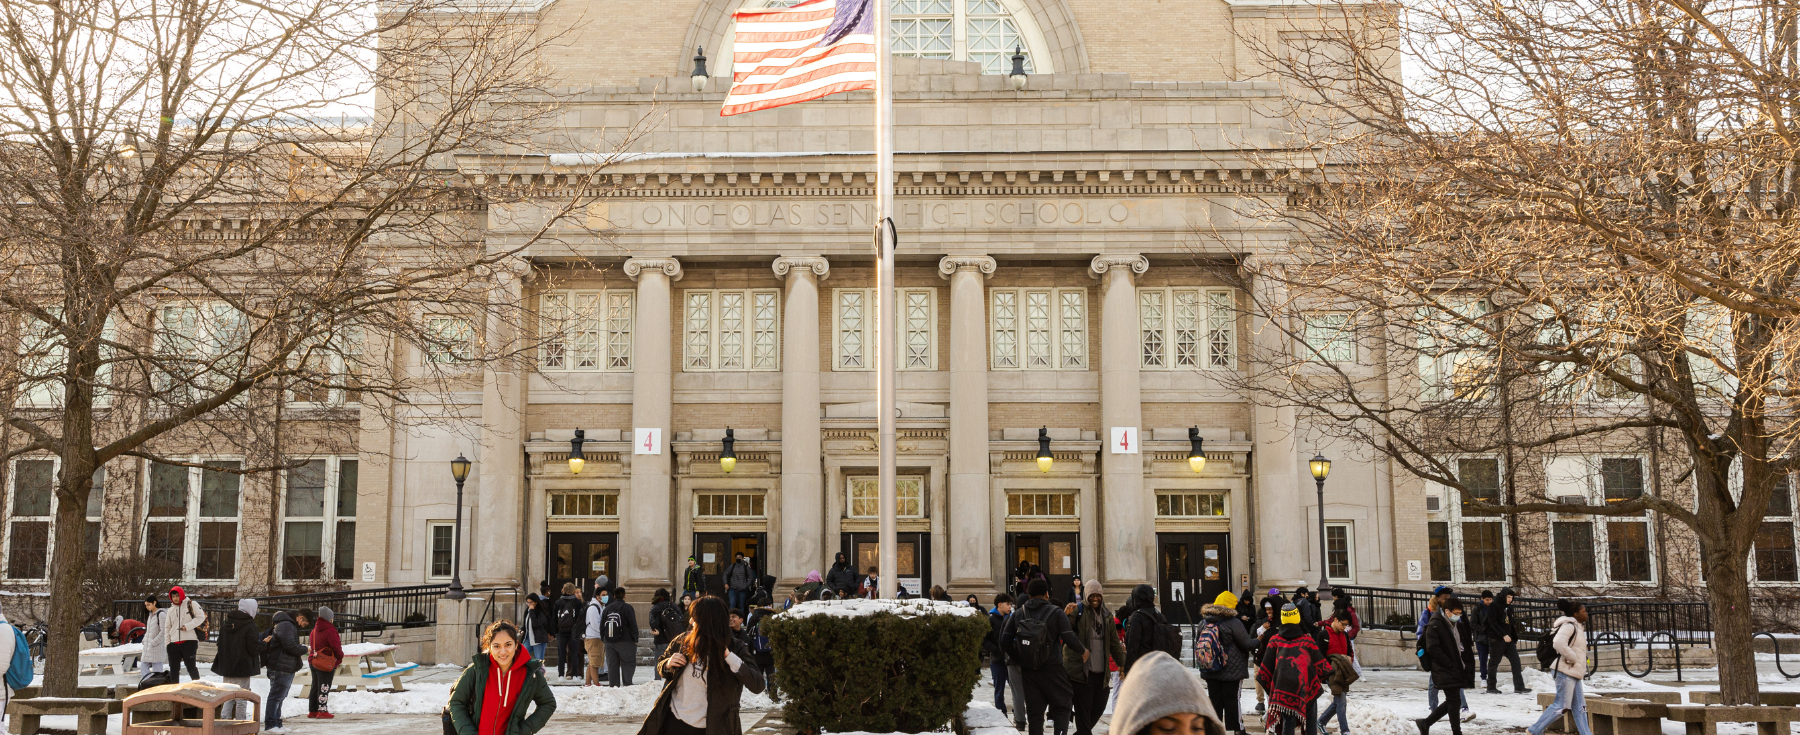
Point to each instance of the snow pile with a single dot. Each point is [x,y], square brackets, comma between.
[981,718]
[429,699]
[365,649]
[124,650]
[856,608]
[1374,719]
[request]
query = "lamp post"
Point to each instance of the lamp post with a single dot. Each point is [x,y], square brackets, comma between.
[1321,467]
[459,469]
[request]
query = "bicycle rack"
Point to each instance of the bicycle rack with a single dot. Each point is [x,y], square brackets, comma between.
[1609,638]
[1650,652]
[1776,644]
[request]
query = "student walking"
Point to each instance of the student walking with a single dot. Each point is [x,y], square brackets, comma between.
[1034,637]
[502,691]
[1478,625]
[327,651]
[1503,642]
[239,656]
[1450,647]
[1087,667]
[569,627]
[1293,671]
[1225,681]
[1340,652]
[705,674]
[990,645]
[156,642]
[1568,634]
[187,625]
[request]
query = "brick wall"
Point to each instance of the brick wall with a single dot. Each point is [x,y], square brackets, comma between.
[691,416]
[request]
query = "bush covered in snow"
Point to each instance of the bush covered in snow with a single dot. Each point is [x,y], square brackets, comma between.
[876,665]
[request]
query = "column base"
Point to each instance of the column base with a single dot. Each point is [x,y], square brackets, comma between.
[1119,590]
[983,589]
[641,591]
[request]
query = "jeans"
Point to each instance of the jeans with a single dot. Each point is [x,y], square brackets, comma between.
[1569,696]
[1481,659]
[997,668]
[569,653]
[738,600]
[1509,651]
[1090,701]
[1452,703]
[238,709]
[1340,704]
[280,683]
[537,651]
[1224,696]
[321,691]
[1015,680]
[621,662]
[1047,690]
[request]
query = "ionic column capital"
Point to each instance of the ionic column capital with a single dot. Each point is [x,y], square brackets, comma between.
[1105,262]
[669,266]
[950,264]
[788,263]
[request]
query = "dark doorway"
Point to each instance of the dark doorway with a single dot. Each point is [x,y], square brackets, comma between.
[1059,554]
[913,554]
[581,558]
[716,551]
[1191,570]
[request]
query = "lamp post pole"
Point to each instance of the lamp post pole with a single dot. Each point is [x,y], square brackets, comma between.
[1321,468]
[459,469]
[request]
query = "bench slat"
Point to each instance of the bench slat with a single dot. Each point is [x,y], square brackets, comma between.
[384,673]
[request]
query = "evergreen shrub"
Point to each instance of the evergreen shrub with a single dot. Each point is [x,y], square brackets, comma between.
[875,665]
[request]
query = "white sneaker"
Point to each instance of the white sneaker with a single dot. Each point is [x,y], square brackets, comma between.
[278,731]
[1468,715]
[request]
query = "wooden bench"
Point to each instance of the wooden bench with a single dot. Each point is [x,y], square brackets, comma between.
[393,672]
[1565,723]
[90,713]
[1705,719]
[1769,699]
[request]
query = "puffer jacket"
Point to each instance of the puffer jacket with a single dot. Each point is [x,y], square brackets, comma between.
[282,650]
[1140,628]
[841,576]
[1451,668]
[1571,644]
[239,647]
[1237,642]
[470,690]
[156,637]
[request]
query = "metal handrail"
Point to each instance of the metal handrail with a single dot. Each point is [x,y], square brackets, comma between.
[369,612]
[1776,644]
[1688,623]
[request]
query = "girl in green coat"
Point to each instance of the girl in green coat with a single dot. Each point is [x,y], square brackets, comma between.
[502,681]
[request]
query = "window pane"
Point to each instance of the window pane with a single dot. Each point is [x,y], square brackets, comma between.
[553,313]
[1328,338]
[165,540]
[731,331]
[1187,329]
[218,551]
[918,330]
[219,492]
[33,486]
[1006,329]
[1221,330]
[1484,552]
[302,551]
[1037,330]
[441,539]
[1622,478]
[345,549]
[618,331]
[1573,543]
[168,491]
[1073,323]
[851,310]
[1781,503]
[1337,552]
[306,490]
[97,494]
[90,541]
[585,349]
[1438,543]
[699,331]
[1482,476]
[346,489]
[1775,560]
[29,552]
[1628,551]
[1150,328]
[765,334]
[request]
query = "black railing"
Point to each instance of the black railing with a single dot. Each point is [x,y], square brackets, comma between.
[1635,622]
[366,612]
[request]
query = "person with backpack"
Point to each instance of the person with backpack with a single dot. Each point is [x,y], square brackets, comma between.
[1564,653]
[1503,642]
[282,654]
[502,691]
[1222,653]
[593,639]
[1034,637]
[659,606]
[239,655]
[693,580]
[15,661]
[1340,652]
[1293,670]
[187,626]
[1478,623]
[621,629]
[1160,697]
[1439,597]
[569,649]
[760,650]
[990,647]
[326,651]
[1087,666]
[535,626]
[155,658]
[1146,630]
[740,578]
[706,673]
[1450,648]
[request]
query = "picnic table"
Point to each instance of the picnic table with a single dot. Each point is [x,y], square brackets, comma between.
[122,659]
[363,665]
[170,705]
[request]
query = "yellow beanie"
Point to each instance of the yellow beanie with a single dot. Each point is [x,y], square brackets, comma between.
[1226,599]
[1290,614]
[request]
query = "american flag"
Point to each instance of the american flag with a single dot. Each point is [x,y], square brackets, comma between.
[808,51]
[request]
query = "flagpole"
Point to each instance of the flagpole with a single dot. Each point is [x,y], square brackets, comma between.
[887,343]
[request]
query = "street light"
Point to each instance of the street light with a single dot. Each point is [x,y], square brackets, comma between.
[1044,458]
[1196,452]
[577,460]
[459,469]
[1017,76]
[700,75]
[1321,467]
[727,455]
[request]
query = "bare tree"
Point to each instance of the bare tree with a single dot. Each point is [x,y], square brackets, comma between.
[194,233]
[1568,227]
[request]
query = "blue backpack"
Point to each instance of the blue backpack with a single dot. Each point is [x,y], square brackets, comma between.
[19,673]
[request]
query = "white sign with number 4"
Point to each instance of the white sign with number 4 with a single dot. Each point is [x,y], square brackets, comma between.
[648,441]
[1124,440]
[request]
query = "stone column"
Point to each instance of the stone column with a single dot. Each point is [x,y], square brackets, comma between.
[971,545]
[493,513]
[802,486]
[1126,539]
[646,534]
[1284,550]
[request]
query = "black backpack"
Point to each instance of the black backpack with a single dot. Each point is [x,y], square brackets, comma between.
[1166,638]
[566,615]
[613,627]
[1033,645]
[1546,651]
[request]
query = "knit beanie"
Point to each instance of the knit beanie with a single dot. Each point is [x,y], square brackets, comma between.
[1290,615]
[1226,599]
[326,614]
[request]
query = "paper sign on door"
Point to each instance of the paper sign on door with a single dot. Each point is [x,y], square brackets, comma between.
[1124,440]
[1177,591]
[648,441]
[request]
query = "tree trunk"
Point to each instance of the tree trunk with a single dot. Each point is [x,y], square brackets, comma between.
[68,566]
[1728,587]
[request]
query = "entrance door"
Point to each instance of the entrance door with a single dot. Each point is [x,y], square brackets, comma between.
[580,558]
[913,555]
[1191,570]
[716,551]
[1059,554]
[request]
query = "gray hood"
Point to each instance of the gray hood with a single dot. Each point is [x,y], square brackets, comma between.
[1157,687]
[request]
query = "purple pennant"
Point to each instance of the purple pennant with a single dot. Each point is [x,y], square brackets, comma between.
[852,16]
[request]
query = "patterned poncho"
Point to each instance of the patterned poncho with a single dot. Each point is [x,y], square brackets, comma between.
[1293,672]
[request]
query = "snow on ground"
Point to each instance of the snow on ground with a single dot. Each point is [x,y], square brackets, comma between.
[856,608]
[429,698]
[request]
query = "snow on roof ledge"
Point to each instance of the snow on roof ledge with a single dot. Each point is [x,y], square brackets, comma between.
[858,608]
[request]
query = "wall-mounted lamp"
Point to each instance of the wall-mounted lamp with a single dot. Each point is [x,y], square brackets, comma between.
[576,459]
[727,455]
[700,75]
[1017,75]
[1044,458]
[1197,450]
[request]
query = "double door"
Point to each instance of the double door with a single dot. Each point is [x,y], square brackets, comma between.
[1191,570]
[581,558]
[912,555]
[716,552]
[1058,554]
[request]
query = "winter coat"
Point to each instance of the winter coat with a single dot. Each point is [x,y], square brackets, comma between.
[156,637]
[1055,623]
[841,577]
[1450,668]
[1160,686]
[1140,628]
[1500,619]
[184,620]
[693,581]
[723,691]
[282,650]
[1235,639]
[471,688]
[1478,617]
[324,639]
[574,604]
[627,618]
[1571,644]
[739,576]
[658,635]
[537,623]
[1085,620]
[1343,673]
[240,647]
[990,643]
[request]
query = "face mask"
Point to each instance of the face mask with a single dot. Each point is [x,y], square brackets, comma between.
[605,598]
[1455,617]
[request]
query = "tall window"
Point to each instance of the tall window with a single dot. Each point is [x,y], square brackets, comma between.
[1595,550]
[1775,558]
[192,516]
[732,330]
[1468,545]
[331,371]
[1340,554]
[1038,328]
[1330,337]
[31,510]
[585,331]
[971,30]
[201,346]
[1454,361]
[853,329]
[43,356]
[319,520]
[1187,329]
[449,340]
[443,541]
[865,497]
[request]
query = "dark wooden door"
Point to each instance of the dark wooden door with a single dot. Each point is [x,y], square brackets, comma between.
[716,551]
[1191,570]
[581,558]
[913,552]
[1058,554]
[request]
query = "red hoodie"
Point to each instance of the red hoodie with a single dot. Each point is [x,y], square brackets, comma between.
[502,694]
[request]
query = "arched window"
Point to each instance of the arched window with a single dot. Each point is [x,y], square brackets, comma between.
[983,31]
